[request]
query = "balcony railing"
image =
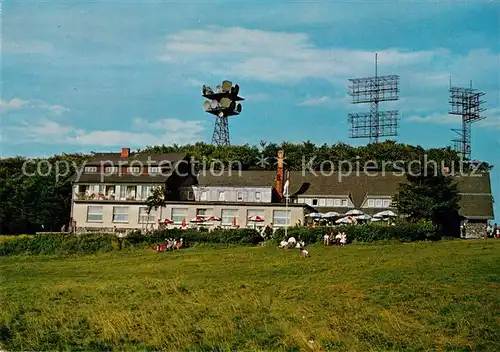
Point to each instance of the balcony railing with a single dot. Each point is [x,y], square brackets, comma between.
[101,196]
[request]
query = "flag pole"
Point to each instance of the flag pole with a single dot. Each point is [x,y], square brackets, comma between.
[286,212]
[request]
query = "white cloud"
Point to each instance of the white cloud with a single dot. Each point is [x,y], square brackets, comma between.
[13,104]
[163,131]
[326,101]
[286,57]
[37,104]
[492,120]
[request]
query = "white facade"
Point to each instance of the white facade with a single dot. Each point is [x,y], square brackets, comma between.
[107,215]
[227,194]
[377,202]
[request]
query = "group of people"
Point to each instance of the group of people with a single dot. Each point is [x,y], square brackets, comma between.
[493,231]
[339,239]
[168,244]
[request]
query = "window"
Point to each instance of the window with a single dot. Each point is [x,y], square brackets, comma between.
[204,213]
[257,196]
[111,169]
[90,169]
[146,191]
[239,196]
[109,191]
[344,202]
[338,202]
[315,202]
[222,196]
[120,214]
[204,195]
[378,203]
[322,202]
[190,195]
[255,212]
[128,192]
[154,170]
[387,202]
[329,202]
[143,216]
[133,169]
[228,216]
[179,214]
[371,203]
[94,213]
[281,218]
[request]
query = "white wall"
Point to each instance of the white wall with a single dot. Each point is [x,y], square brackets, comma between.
[248,194]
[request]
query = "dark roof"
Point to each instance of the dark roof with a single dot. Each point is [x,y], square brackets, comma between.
[476,206]
[116,158]
[237,178]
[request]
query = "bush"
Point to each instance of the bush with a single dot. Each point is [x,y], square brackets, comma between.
[190,236]
[57,244]
[402,231]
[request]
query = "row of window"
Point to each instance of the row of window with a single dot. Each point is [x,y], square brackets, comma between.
[130,169]
[325,202]
[221,196]
[228,216]
[344,203]
[112,192]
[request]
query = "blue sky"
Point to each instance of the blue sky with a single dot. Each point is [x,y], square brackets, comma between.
[80,76]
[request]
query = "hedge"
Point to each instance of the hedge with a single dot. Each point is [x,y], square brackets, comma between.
[231,236]
[58,244]
[93,243]
[402,231]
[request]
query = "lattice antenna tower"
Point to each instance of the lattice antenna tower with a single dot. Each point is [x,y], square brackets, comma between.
[223,103]
[465,102]
[373,90]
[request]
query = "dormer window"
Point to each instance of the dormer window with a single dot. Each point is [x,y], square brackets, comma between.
[222,196]
[154,170]
[90,169]
[240,196]
[257,196]
[111,169]
[133,169]
[315,202]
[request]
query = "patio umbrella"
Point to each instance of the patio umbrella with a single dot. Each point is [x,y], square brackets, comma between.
[214,218]
[345,220]
[314,215]
[256,218]
[330,214]
[166,221]
[385,214]
[197,219]
[234,221]
[354,212]
[363,217]
[183,224]
[375,219]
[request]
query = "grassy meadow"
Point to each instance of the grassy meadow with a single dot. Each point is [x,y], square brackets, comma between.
[442,296]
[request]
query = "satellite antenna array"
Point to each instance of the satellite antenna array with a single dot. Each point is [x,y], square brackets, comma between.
[223,103]
[374,90]
[465,102]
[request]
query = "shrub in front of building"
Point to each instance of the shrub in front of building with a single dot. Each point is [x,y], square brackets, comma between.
[58,244]
[402,231]
[190,236]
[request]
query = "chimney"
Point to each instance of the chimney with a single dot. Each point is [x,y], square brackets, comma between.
[125,153]
[279,173]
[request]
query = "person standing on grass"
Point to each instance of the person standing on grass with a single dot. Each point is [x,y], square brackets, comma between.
[326,239]
[488,230]
[338,237]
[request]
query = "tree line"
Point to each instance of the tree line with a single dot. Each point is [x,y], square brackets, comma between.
[35,198]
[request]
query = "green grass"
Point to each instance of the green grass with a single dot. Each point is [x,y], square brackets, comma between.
[400,297]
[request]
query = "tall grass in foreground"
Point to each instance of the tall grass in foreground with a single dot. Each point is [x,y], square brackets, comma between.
[411,297]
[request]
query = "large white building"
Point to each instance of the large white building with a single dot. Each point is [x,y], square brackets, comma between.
[112,192]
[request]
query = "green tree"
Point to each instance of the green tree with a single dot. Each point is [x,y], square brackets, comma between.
[430,196]
[155,200]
